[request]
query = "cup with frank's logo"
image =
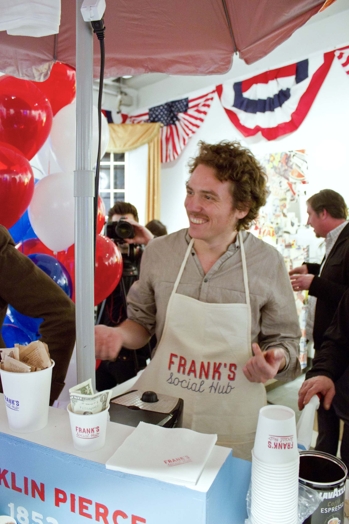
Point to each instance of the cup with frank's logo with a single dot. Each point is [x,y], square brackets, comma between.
[275,468]
[276,435]
[27,398]
[88,429]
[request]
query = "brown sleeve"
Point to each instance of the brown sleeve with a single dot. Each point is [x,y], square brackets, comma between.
[33,293]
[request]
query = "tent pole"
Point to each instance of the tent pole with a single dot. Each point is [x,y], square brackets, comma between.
[84,202]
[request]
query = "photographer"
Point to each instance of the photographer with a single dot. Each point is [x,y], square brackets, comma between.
[130,237]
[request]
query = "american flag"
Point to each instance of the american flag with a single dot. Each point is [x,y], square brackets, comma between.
[115,117]
[180,118]
[343,57]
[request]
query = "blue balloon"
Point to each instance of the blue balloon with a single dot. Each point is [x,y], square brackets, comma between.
[9,318]
[15,335]
[54,269]
[29,325]
[22,228]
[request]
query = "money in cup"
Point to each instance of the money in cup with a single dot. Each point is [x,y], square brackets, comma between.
[89,415]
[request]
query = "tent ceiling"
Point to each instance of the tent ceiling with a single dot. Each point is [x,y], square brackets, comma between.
[165,36]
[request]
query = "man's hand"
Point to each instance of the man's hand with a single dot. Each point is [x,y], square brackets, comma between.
[301,282]
[108,342]
[264,365]
[320,385]
[142,234]
[300,270]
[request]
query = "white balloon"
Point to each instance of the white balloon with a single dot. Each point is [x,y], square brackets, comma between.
[51,211]
[63,136]
[45,160]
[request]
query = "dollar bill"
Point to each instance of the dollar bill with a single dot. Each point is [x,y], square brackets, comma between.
[84,388]
[90,404]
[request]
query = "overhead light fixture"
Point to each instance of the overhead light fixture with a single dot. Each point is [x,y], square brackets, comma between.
[127,76]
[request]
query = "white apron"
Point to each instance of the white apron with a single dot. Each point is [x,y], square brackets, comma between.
[200,358]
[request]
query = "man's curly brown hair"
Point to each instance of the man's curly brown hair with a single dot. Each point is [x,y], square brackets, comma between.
[236,164]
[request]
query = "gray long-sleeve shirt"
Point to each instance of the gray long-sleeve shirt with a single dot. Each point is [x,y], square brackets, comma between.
[274,321]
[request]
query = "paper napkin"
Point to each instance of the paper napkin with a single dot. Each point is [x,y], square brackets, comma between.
[170,454]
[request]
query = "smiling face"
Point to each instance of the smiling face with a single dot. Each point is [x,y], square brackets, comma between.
[209,206]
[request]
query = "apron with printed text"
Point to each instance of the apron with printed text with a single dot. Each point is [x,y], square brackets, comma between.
[200,357]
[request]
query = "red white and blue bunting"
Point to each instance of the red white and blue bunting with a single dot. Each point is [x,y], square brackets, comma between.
[276,102]
[343,57]
[273,103]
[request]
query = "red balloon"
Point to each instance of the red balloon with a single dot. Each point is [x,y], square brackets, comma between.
[60,87]
[100,215]
[16,185]
[108,269]
[32,246]
[25,115]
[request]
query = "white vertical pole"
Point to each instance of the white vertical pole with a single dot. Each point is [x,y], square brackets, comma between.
[84,202]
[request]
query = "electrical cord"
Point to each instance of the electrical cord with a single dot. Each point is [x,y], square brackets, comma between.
[98,29]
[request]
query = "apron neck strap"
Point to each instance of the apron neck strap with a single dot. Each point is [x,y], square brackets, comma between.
[244,269]
[183,266]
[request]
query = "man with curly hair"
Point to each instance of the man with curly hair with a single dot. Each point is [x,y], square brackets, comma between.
[219,301]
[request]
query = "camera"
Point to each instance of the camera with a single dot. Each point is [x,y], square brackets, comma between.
[120,230]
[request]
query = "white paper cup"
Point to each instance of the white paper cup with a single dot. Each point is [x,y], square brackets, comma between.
[276,435]
[88,431]
[4,519]
[27,398]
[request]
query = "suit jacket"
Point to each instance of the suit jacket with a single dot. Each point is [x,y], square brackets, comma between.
[33,293]
[329,287]
[333,359]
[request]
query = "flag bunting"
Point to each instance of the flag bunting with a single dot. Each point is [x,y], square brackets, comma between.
[276,102]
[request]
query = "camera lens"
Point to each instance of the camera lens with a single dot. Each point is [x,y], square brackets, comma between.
[124,229]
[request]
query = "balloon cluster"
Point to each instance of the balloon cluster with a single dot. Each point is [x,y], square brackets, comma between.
[38,127]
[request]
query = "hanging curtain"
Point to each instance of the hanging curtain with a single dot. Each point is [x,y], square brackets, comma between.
[153,185]
[125,137]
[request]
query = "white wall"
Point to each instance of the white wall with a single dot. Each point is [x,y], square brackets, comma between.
[324,134]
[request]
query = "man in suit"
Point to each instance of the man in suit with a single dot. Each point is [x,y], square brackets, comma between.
[329,373]
[326,284]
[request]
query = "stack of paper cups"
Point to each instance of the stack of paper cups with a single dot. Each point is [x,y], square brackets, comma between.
[275,468]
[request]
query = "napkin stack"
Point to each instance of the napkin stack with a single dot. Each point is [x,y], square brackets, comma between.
[175,455]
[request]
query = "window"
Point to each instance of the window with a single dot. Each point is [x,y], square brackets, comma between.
[112,179]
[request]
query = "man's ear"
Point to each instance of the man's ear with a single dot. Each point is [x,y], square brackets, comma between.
[241,213]
[323,214]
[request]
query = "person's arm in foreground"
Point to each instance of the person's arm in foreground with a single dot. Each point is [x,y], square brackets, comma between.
[109,341]
[33,293]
